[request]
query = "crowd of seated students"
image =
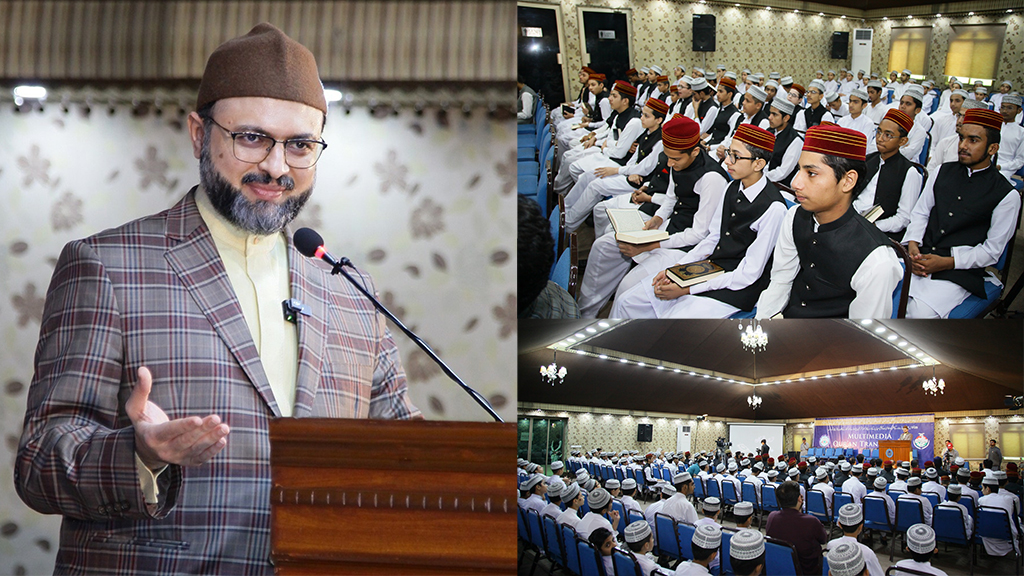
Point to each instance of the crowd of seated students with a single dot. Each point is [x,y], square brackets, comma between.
[771,181]
[597,493]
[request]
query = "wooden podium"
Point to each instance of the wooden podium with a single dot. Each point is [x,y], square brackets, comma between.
[395,497]
[900,450]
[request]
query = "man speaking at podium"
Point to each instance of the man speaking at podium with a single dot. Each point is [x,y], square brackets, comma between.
[168,344]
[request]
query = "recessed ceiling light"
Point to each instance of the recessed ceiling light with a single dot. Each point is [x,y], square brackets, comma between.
[693,373]
[880,330]
[938,15]
[603,357]
[570,340]
[860,371]
[885,17]
[892,368]
[866,322]
[591,329]
[842,373]
[641,364]
[623,360]
[795,11]
[603,324]
[909,16]
[660,367]
[911,349]
[768,8]
[581,352]
[876,370]
[814,377]
[802,378]
[828,375]
[890,337]
[843,17]
[902,344]
[677,370]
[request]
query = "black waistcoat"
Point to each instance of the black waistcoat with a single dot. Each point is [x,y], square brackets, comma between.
[687,201]
[618,120]
[889,186]
[759,117]
[657,183]
[828,260]
[961,217]
[595,114]
[644,143]
[735,237]
[813,116]
[782,142]
[703,107]
[720,128]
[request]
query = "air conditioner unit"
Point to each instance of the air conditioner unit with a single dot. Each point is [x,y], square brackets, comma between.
[861,55]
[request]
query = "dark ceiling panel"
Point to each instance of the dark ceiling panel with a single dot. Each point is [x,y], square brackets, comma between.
[981,363]
[926,7]
[803,346]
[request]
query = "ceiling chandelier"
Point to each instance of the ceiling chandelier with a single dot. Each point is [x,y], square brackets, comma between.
[753,338]
[932,386]
[553,373]
[754,401]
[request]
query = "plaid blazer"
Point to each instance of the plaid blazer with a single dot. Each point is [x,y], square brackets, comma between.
[155,292]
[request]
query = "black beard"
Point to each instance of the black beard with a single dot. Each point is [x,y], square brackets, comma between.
[257,217]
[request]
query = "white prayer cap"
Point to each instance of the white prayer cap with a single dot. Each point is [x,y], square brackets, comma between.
[906,71]
[832,465]
[758,466]
[858,468]
[999,474]
[794,472]
[872,471]
[681,477]
[990,481]
[981,89]
[530,482]
[959,459]
[668,489]
[746,70]
[820,473]
[875,84]
[819,72]
[831,71]
[915,91]
[1008,83]
[931,473]
[772,83]
[733,467]
[743,509]
[785,80]
[611,484]
[570,493]
[845,466]
[861,71]
[590,484]
[880,482]
[645,70]
[963,94]
[730,74]
[927,83]
[720,468]
[786,107]
[702,463]
[1012,99]
[708,536]
[846,559]
[759,95]
[556,488]
[712,504]
[699,84]
[810,459]
[954,489]
[699,69]
[657,70]
[850,515]
[905,464]
[581,473]
[628,484]
[831,96]
[773,473]
[531,467]
[746,544]
[721,66]
[599,498]
[688,80]
[921,539]
[637,531]
[902,472]
[915,481]
[557,465]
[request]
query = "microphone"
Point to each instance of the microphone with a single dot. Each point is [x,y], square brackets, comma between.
[310,244]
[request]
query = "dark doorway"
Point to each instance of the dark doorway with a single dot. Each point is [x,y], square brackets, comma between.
[607,40]
[538,53]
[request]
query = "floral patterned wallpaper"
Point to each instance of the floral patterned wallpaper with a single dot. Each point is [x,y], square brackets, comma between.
[1011,61]
[423,202]
[663,35]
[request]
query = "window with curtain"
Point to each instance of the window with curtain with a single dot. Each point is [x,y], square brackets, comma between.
[908,48]
[969,440]
[1011,440]
[974,51]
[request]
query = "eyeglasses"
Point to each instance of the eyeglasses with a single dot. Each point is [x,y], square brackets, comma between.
[733,157]
[254,148]
[813,92]
[886,134]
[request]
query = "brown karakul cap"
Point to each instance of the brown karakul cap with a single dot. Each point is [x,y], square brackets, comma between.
[727,82]
[265,63]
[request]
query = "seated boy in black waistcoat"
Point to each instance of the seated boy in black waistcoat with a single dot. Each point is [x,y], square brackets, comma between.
[741,240]
[892,181]
[961,223]
[829,261]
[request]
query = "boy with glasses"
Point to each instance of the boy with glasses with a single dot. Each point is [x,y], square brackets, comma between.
[816,112]
[893,183]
